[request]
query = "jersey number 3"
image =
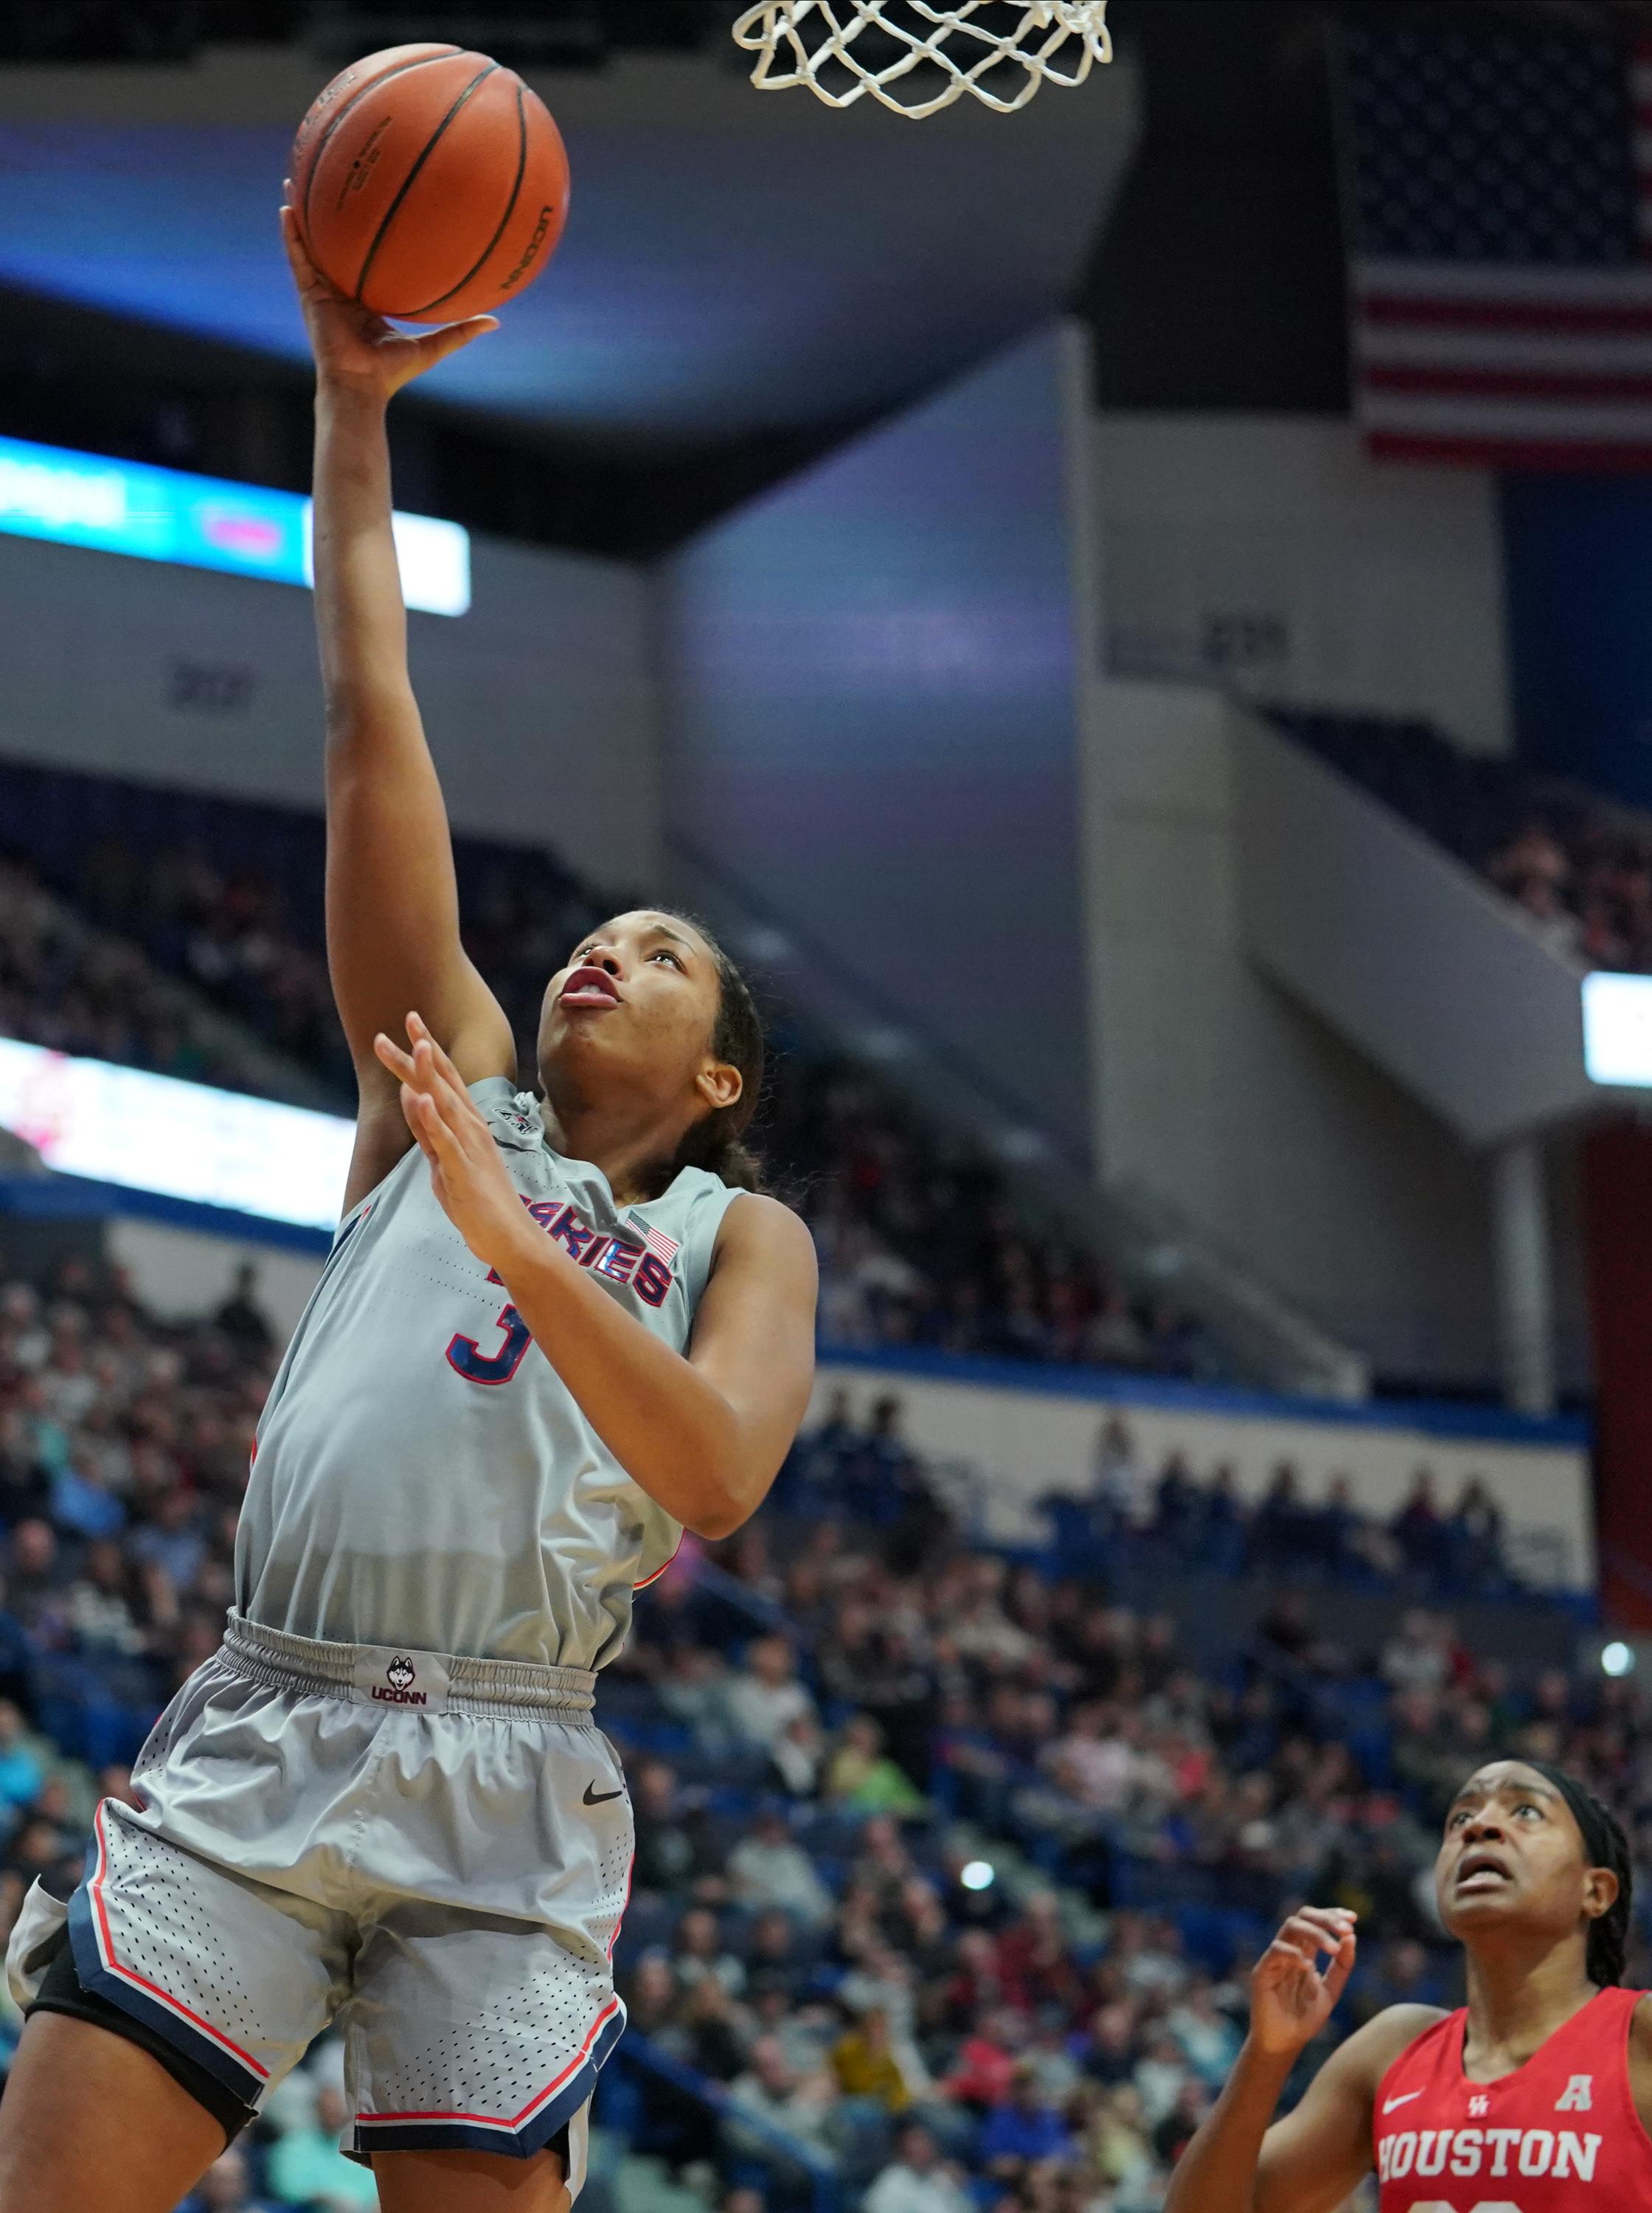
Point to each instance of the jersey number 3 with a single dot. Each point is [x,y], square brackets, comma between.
[467,1358]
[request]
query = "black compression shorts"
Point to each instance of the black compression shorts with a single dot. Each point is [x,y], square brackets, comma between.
[62,1991]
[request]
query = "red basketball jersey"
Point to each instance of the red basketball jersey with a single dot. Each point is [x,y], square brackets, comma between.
[1559,2134]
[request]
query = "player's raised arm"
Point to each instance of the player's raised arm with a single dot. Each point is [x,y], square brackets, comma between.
[392,907]
[1242,2161]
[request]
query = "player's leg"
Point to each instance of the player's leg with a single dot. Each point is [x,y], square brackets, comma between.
[467,2182]
[89,2119]
[162,2002]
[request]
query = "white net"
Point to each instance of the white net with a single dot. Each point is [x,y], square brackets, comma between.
[915,57]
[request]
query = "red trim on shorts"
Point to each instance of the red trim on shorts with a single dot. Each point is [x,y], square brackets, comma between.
[660,1570]
[106,1946]
[482,2120]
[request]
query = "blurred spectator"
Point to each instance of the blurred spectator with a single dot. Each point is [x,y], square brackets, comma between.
[307,2167]
[866,2065]
[24,1759]
[773,2090]
[1021,2131]
[700,1955]
[226,2187]
[1579,866]
[769,1869]
[200,953]
[859,1777]
[971,1951]
[765,1699]
[918,2180]
[240,1317]
[673,1852]
[1417,1528]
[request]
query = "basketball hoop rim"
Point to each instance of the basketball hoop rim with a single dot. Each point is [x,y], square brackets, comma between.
[770,25]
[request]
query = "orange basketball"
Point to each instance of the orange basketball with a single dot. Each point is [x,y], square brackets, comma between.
[430,183]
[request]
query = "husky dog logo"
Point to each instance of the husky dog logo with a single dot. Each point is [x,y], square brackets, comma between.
[400,1675]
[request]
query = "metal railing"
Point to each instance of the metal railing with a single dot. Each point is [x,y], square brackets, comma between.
[817,2166]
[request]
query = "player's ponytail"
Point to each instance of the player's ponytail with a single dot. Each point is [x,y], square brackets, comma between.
[1605,1845]
[716,1142]
[1608,1948]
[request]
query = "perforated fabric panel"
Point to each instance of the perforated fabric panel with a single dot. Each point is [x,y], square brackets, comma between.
[167,1934]
[616,1884]
[521,2011]
[254,1966]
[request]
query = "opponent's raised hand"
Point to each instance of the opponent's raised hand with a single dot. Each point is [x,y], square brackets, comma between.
[354,348]
[1292,1997]
[466,1172]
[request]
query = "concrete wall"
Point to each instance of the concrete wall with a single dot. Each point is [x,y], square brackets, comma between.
[184,1272]
[1414,959]
[1017,1443]
[1270,554]
[540,703]
[1217,1092]
[873,724]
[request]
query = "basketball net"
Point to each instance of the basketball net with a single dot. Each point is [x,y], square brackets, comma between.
[915,57]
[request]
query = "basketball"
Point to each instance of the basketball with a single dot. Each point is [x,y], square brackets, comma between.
[430,183]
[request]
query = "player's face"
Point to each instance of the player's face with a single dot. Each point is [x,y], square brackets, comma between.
[637,1002]
[1512,1857]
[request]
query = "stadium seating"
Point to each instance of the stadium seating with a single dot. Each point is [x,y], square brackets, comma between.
[918,1241]
[1579,867]
[948,1860]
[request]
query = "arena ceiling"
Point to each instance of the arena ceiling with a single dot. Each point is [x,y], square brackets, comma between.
[736,262]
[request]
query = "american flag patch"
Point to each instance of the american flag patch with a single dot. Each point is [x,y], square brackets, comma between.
[655,1240]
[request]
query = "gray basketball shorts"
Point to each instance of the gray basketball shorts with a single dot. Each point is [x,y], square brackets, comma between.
[434,1852]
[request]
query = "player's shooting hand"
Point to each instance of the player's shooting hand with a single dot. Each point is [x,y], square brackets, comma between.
[355,349]
[1291,1998]
[466,1172]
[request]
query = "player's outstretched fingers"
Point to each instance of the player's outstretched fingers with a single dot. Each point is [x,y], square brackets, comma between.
[436,346]
[307,277]
[1316,1929]
[442,1118]
[1336,1980]
[442,1071]
[415,1111]
[418,1029]
[394,1057]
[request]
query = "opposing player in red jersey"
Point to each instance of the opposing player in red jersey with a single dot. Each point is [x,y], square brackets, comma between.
[1535,2098]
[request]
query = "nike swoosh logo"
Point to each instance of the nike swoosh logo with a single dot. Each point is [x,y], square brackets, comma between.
[595,1797]
[1388,2104]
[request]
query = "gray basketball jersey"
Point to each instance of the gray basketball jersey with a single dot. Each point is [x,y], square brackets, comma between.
[422,1476]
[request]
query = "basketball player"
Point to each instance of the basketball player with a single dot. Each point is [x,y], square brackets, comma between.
[1536,2097]
[547,1339]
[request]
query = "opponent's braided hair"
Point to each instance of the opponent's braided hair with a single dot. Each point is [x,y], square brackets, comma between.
[717,1141]
[1605,1845]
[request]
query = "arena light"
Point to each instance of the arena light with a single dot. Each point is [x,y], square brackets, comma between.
[1617,1029]
[205,522]
[186,1140]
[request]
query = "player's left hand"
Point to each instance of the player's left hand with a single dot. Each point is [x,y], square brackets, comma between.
[466,1172]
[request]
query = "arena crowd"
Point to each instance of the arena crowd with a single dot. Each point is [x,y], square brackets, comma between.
[1579,866]
[949,1864]
[107,900]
